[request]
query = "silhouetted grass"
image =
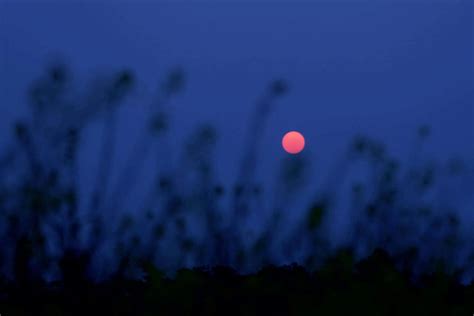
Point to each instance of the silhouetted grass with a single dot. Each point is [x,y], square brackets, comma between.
[66,253]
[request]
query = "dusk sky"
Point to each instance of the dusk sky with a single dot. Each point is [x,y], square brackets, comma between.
[380,68]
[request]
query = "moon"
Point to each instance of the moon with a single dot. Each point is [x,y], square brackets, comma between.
[293,142]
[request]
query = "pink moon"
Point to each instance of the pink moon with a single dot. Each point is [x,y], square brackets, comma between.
[293,142]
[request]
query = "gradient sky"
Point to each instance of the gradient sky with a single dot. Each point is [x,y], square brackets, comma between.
[376,67]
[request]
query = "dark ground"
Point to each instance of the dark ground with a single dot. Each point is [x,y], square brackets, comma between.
[370,287]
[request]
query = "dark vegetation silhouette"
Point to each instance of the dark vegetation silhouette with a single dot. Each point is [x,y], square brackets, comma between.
[187,250]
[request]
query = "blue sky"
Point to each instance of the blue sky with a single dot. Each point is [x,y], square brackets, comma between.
[376,67]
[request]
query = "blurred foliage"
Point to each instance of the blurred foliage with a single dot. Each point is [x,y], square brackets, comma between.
[61,247]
